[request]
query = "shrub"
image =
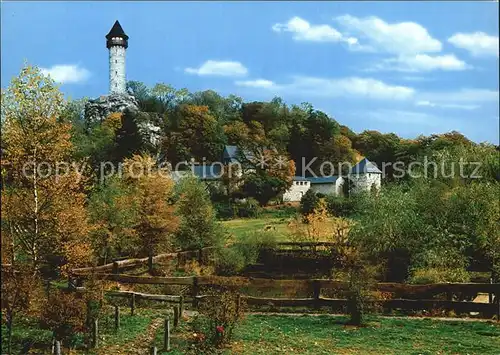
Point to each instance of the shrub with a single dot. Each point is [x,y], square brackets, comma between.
[65,315]
[340,206]
[234,259]
[309,202]
[360,279]
[438,275]
[249,208]
[225,210]
[282,211]
[219,313]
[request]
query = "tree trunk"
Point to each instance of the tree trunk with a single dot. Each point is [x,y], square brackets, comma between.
[9,335]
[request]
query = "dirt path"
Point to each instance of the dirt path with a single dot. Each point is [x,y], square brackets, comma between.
[138,346]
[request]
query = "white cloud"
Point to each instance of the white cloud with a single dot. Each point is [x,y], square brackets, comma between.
[426,103]
[421,63]
[344,87]
[416,78]
[479,44]
[219,68]
[463,99]
[396,38]
[402,116]
[462,96]
[257,83]
[66,73]
[304,31]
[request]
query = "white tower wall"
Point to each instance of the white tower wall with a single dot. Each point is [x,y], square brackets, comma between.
[365,182]
[117,80]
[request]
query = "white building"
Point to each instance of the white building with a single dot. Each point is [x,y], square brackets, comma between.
[364,176]
[299,187]
[331,185]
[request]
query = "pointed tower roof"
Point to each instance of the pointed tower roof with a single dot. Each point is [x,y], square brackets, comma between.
[365,166]
[117,31]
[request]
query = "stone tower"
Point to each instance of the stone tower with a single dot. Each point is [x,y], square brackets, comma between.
[117,43]
[365,177]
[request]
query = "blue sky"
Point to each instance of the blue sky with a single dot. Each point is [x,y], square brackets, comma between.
[405,67]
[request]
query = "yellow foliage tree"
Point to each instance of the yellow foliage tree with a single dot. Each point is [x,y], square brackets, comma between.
[152,189]
[43,200]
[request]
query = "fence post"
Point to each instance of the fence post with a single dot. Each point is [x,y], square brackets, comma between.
[58,347]
[176,316]
[71,284]
[153,350]
[316,293]
[166,336]
[95,334]
[181,306]
[238,303]
[200,256]
[195,292]
[490,295]
[497,298]
[116,269]
[117,318]
[150,262]
[132,304]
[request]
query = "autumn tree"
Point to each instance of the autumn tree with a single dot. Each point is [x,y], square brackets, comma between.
[21,291]
[152,190]
[64,315]
[43,204]
[113,213]
[196,134]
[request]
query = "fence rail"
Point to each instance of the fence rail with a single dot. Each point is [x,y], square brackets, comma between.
[315,286]
[397,288]
[116,266]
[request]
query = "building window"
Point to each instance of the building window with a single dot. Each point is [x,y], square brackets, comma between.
[116,72]
[116,61]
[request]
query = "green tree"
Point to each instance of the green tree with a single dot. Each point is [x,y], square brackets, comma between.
[198,227]
[309,202]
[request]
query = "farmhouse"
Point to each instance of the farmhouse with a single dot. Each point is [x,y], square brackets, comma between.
[364,176]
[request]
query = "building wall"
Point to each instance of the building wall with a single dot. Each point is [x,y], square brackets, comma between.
[117,80]
[329,188]
[325,189]
[364,182]
[296,191]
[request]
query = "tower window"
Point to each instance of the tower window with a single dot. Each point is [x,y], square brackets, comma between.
[116,61]
[116,71]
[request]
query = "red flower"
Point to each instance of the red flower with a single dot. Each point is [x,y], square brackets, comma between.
[220,329]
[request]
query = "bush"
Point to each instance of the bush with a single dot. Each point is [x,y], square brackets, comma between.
[65,315]
[340,206]
[438,275]
[225,210]
[234,259]
[309,202]
[282,211]
[249,208]
[219,314]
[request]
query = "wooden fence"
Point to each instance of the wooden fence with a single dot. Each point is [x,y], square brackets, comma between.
[127,264]
[404,297]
